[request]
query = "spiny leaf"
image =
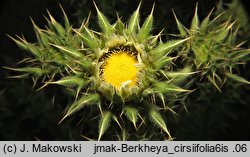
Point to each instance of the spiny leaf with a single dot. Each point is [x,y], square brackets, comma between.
[132,114]
[215,20]
[41,37]
[84,100]
[85,22]
[181,73]
[106,27]
[232,37]
[119,25]
[147,91]
[94,43]
[155,38]
[86,65]
[31,70]
[213,81]
[22,43]
[134,21]
[117,121]
[206,21]
[201,53]
[237,78]
[146,27]
[69,81]
[89,32]
[66,20]
[55,26]
[162,49]
[88,38]
[240,54]
[182,29]
[163,87]
[195,21]
[162,61]
[125,135]
[221,35]
[104,123]
[157,119]
[70,51]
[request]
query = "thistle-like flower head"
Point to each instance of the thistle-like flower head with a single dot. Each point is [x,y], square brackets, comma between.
[123,72]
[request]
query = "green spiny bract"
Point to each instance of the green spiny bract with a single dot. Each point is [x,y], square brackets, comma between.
[212,49]
[75,58]
[237,12]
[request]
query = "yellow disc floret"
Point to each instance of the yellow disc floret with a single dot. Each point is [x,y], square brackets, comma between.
[120,69]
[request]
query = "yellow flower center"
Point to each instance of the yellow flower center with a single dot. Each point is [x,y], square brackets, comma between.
[120,69]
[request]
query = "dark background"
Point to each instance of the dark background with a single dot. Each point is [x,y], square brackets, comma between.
[29,115]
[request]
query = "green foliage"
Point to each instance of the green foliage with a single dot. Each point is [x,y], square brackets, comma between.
[134,21]
[84,100]
[169,70]
[146,27]
[158,120]
[104,123]
[132,114]
[212,49]
[107,28]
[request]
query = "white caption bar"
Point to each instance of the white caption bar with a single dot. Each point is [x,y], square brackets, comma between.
[119,148]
